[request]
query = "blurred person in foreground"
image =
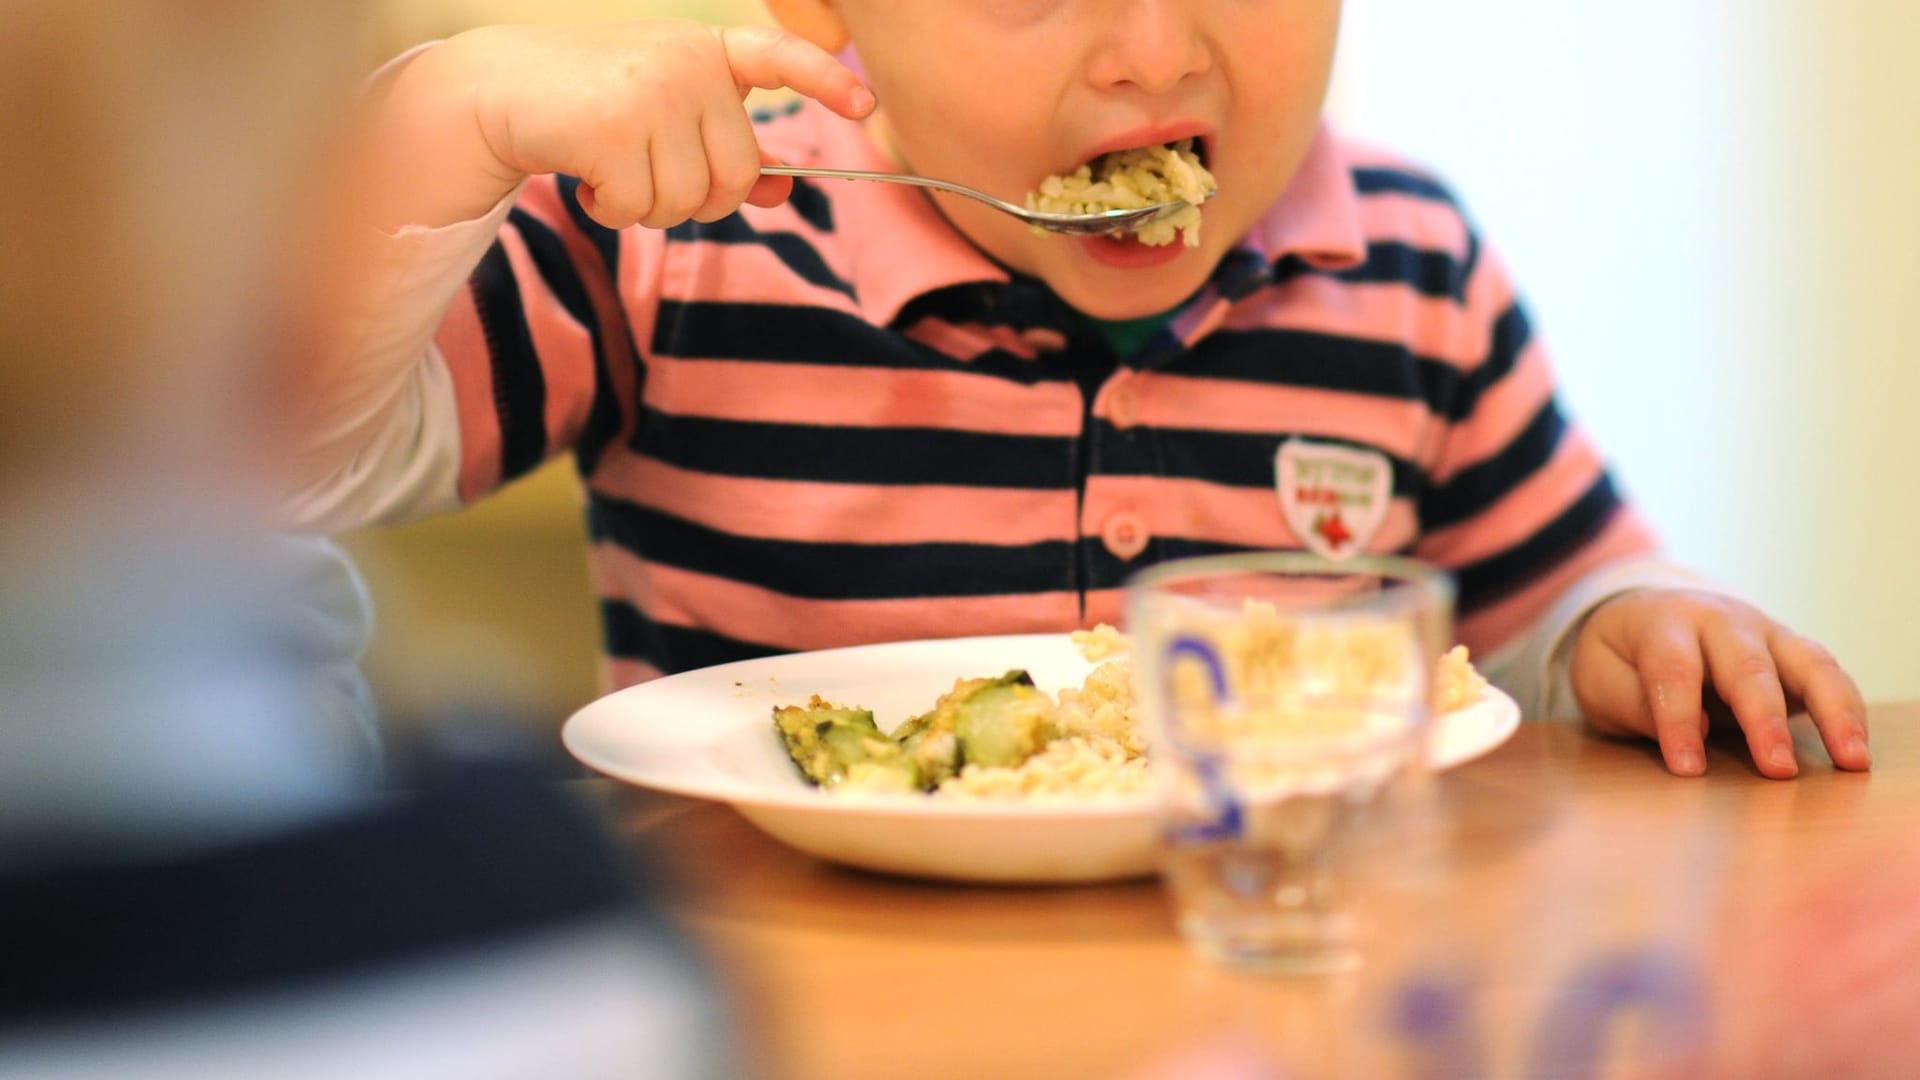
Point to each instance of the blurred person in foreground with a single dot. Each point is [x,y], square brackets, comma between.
[814,414]
[201,874]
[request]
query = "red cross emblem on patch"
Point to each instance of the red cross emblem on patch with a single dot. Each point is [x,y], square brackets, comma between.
[1334,497]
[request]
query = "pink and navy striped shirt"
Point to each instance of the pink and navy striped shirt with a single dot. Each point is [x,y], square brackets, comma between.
[835,421]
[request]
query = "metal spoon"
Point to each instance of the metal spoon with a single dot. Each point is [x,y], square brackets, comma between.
[1095,224]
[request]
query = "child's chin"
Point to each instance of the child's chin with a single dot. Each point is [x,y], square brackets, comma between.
[1115,294]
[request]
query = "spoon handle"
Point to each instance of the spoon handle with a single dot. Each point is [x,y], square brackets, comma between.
[891,178]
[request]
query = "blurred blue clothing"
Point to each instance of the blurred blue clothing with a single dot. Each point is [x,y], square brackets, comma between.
[179,691]
[479,925]
[204,875]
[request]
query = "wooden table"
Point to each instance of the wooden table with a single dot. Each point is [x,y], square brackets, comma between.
[1572,865]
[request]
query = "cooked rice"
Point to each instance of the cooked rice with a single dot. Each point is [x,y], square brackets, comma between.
[1456,684]
[1102,750]
[1129,180]
[1101,642]
[1076,766]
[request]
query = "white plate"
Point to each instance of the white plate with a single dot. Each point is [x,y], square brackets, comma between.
[709,734]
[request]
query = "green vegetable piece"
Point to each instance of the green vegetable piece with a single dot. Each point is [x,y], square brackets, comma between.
[912,728]
[829,744]
[936,754]
[930,745]
[892,775]
[1003,722]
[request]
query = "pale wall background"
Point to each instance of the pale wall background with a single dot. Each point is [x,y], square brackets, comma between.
[1709,203]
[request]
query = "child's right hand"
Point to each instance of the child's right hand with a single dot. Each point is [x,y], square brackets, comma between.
[648,115]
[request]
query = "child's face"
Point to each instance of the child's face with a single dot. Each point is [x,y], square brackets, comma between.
[998,94]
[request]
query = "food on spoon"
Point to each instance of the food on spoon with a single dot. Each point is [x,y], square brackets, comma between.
[832,745]
[1129,180]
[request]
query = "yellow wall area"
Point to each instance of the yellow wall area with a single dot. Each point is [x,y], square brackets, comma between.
[1853,419]
[406,22]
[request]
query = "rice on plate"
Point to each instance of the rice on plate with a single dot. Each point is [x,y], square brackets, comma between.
[1086,741]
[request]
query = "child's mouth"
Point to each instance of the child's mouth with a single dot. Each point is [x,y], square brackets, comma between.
[1133,178]
[1128,252]
[1200,145]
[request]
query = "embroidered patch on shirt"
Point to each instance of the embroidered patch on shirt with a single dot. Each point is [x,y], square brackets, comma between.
[1334,497]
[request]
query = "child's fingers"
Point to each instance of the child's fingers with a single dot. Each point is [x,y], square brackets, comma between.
[614,213]
[770,190]
[771,59]
[1811,674]
[1746,679]
[617,190]
[589,201]
[678,160]
[1673,673]
[733,160]
[1609,692]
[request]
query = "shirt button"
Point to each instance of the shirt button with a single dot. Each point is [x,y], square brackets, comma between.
[1125,535]
[1123,403]
[1043,339]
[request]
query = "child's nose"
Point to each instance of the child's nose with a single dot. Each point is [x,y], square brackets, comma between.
[1152,45]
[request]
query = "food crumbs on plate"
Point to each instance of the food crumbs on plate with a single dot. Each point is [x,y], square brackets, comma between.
[1129,180]
[1003,737]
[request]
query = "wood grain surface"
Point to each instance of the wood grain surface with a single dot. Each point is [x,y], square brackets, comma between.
[1566,903]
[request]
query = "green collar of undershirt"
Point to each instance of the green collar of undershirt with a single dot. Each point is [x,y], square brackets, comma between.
[1126,336]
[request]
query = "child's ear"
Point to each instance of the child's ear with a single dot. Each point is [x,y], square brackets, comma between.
[816,20]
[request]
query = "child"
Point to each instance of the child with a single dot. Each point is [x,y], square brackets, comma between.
[819,413]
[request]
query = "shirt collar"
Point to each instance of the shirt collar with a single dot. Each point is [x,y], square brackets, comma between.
[900,247]
[1315,220]
[1318,216]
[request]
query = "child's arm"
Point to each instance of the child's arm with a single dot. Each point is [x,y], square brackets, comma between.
[1559,577]
[1644,660]
[648,115]
[491,327]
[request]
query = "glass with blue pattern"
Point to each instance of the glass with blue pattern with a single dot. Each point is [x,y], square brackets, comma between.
[1287,699]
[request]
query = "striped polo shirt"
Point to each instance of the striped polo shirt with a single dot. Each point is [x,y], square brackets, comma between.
[836,421]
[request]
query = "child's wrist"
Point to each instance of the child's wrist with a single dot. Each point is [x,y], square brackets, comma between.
[437,165]
[469,80]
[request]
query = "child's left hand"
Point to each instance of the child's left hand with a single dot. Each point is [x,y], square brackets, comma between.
[1645,662]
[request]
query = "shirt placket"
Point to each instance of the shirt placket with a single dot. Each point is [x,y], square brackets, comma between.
[1031,327]
[1118,515]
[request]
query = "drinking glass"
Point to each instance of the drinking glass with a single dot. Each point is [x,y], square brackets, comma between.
[1287,699]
